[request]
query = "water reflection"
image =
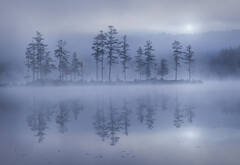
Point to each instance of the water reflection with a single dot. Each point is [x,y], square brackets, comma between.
[111,118]
[115,125]
[38,120]
[182,114]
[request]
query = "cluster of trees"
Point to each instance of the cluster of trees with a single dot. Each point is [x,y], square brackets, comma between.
[40,63]
[181,55]
[226,63]
[107,48]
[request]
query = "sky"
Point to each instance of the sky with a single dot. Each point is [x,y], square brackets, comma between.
[88,16]
[77,21]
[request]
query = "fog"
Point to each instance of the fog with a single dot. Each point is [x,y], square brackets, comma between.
[77,22]
[206,46]
[121,124]
[107,82]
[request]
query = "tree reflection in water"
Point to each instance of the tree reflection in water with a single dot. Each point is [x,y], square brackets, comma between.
[112,117]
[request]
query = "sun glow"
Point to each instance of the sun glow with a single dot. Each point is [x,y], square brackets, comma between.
[191,134]
[189,28]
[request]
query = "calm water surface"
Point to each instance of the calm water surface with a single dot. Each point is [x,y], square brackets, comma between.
[184,124]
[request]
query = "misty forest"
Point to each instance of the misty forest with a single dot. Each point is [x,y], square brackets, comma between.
[131,82]
[108,50]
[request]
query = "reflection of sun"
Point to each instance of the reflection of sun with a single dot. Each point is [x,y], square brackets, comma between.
[191,134]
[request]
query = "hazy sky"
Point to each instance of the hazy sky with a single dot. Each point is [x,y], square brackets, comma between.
[77,21]
[87,16]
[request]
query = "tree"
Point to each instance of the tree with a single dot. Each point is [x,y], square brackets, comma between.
[125,58]
[75,66]
[188,57]
[102,42]
[148,52]
[80,73]
[48,65]
[177,51]
[139,62]
[163,69]
[96,53]
[62,55]
[112,48]
[40,48]
[31,62]
[35,53]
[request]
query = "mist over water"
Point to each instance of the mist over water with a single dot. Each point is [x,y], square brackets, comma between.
[135,124]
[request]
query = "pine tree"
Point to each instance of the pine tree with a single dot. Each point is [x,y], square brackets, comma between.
[76,66]
[62,55]
[80,72]
[34,55]
[163,69]
[188,58]
[139,62]
[40,50]
[148,52]
[31,62]
[177,51]
[48,64]
[112,48]
[96,53]
[102,42]
[125,58]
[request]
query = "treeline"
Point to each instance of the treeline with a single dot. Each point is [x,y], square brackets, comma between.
[226,63]
[40,62]
[107,48]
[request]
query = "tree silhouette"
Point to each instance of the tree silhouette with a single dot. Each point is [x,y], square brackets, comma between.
[140,62]
[48,65]
[37,57]
[76,65]
[188,58]
[125,58]
[177,51]
[163,69]
[149,61]
[63,59]
[112,48]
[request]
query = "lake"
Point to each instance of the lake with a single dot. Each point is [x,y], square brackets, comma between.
[195,124]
